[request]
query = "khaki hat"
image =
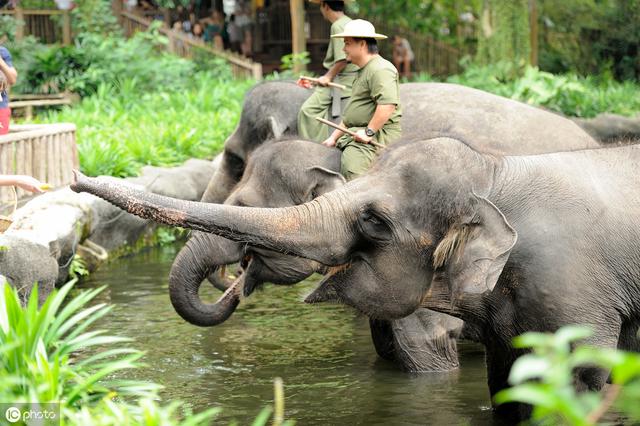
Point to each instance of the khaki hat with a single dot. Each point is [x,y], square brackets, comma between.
[359,28]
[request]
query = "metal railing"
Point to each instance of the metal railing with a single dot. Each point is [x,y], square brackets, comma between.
[181,45]
[42,24]
[47,152]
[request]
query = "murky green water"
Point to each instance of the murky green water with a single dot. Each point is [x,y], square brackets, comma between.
[324,354]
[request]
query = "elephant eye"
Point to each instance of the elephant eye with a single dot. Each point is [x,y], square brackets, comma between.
[374,227]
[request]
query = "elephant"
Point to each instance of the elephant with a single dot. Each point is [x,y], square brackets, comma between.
[430,109]
[506,243]
[286,173]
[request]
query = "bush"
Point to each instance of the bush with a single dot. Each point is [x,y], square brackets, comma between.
[564,93]
[544,379]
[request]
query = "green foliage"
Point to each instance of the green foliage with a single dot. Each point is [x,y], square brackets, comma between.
[78,267]
[290,61]
[39,348]
[505,33]
[606,37]
[94,17]
[7,27]
[544,378]
[51,354]
[437,18]
[568,94]
[121,129]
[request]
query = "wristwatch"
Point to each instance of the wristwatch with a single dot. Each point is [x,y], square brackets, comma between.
[369,132]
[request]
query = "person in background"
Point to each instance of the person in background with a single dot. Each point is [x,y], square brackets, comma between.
[213,29]
[8,77]
[25,182]
[235,34]
[197,32]
[402,55]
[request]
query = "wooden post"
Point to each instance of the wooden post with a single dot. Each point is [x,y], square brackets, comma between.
[533,32]
[19,23]
[66,28]
[299,42]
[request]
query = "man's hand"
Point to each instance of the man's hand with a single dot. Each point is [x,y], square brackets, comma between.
[329,142]
[302,82]
[361,137]
[324,81]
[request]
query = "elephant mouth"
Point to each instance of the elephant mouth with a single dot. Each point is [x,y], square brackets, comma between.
[328,289]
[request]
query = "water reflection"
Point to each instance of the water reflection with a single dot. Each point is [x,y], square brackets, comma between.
[323,353]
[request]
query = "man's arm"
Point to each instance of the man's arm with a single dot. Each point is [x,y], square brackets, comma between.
[335,69]
[380,116]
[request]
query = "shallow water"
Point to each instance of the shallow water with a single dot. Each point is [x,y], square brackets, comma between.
[323,353]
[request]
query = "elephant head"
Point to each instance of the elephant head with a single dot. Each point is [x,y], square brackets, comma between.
[421,212]
[278,174]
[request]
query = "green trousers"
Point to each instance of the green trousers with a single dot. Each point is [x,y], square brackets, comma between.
[357,157]
[319,105]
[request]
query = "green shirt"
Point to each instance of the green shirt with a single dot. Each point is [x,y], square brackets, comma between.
[334,51]
[376,84]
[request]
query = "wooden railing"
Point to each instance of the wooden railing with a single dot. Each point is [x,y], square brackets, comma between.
[47,152]
[181,45]
[431,56]
[39,24]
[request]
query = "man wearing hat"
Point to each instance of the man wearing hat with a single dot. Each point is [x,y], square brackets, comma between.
[373,111]
[326,102]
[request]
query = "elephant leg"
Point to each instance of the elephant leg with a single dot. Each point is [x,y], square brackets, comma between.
[426,341]
[382,336]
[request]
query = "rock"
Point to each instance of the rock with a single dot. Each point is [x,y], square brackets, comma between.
[49,230]
[23,263]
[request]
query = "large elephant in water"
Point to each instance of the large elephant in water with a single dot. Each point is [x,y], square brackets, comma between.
[270,109]
[507,243]
[287,173]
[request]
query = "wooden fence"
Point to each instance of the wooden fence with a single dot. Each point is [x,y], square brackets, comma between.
[431,56]
[47,152]
[181,45]
[48,26]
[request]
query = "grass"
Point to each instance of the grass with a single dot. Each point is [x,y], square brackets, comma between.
[122,128]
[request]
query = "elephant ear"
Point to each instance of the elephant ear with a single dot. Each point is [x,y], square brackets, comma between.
[324,181]
[473,254]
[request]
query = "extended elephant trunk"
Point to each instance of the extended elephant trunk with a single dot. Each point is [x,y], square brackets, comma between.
[200,257]
[316,230]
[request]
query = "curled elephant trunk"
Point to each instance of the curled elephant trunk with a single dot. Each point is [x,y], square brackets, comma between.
[201,256]
[318,230]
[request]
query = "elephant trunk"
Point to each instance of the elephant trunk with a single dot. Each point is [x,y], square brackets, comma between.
[318,230]
[192,265]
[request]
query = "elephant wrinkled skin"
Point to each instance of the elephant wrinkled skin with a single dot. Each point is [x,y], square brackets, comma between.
[508,244]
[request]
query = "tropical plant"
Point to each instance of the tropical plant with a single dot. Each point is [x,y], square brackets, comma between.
[544,379]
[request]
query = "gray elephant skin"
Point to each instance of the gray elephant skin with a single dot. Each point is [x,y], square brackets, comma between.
[508,244]
[270,111]
[287,173]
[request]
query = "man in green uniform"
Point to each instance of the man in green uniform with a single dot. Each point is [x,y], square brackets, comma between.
[373,111]
[326,102]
